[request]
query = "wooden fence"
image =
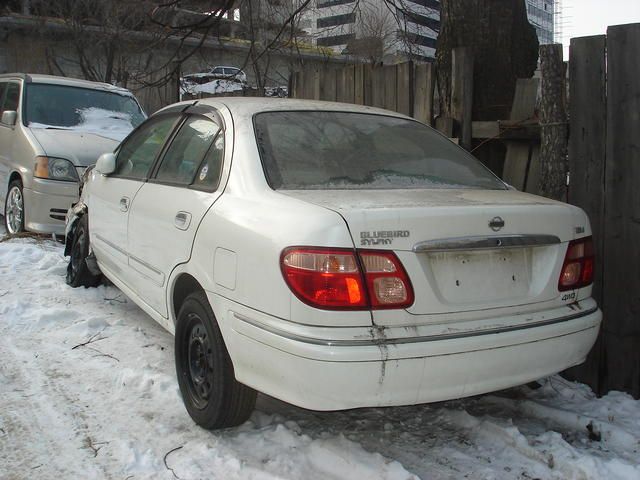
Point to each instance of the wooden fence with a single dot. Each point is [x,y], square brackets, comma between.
[406,87]
[604,161]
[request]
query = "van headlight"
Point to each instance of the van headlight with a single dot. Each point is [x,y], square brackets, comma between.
[55,169]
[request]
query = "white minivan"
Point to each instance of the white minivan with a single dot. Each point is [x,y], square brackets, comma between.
[51,129]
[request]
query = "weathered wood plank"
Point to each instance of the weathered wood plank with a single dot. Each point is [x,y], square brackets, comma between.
[489,129]
[445,126]
[621,287]
[462,92]
[345,86]
[376,87]
[587,141]
[532,178]
[423,95]
[328,79]
[516,163]
[405,88]
[359,87]
[390,75]
[524,100]
[587,159]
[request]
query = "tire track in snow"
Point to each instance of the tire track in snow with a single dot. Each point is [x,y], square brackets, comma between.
[41,426]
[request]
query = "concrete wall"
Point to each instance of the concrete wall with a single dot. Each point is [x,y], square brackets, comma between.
[32,46]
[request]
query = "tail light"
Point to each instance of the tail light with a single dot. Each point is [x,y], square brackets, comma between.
[343,279]
[577,270]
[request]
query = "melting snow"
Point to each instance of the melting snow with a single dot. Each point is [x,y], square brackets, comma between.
[89,391]
[98,121]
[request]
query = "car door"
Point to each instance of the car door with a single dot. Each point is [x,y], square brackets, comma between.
[167,210]
[111,195]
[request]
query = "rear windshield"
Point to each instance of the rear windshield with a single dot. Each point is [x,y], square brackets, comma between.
[310,150]
[67,106]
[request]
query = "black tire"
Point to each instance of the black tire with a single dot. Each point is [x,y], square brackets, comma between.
[14,208]
[78,273]
[212,396]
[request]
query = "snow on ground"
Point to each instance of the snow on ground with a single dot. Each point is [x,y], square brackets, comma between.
[87,390]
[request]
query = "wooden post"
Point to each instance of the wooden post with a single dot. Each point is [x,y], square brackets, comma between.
[588,138]
[621,289]
[462,93]
[587,157]
[553,122]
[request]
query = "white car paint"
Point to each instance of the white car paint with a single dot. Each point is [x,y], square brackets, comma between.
[448,344]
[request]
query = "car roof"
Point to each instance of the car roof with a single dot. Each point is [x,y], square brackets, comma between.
[249,106]
[72,82]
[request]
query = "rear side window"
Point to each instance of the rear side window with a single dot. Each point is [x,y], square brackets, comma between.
[139,151]
[208,175]
[187,151]
[342,150]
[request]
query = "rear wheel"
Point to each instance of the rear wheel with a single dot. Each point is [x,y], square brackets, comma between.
[14,208]
[211,394]
[78,273]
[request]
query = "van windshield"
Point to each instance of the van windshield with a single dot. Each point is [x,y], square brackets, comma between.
[69,107]
[314,150]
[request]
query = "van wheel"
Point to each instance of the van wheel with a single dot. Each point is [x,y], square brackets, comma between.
[14,208]
[78,273]
[212,396]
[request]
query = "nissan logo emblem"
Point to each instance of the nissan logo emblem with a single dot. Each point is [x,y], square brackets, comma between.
[496,224]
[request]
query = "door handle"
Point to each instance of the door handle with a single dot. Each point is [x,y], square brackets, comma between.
[124,204]
[182,220]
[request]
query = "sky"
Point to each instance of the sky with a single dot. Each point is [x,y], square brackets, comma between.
[591,17]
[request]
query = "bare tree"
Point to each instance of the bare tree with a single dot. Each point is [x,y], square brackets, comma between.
[99,36]
[505,48]
[376,31]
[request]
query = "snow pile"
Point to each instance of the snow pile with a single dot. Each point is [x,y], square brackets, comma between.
[89,391]
[98,121]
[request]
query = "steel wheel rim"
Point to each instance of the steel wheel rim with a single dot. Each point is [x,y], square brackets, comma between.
[14,210]
[199,363]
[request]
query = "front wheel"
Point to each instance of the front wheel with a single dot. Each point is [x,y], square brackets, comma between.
[212,396]
[78,272]
[14,208]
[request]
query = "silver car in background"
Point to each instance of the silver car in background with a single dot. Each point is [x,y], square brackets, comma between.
[51,129]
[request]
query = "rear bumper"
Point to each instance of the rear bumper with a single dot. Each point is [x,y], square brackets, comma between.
[46,205]
[376,368]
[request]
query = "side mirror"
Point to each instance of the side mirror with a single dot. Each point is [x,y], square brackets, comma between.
[9,117]
[106,164]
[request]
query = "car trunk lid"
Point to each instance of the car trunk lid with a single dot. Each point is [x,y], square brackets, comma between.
[464,250]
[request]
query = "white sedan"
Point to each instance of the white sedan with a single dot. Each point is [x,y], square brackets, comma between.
[333,256]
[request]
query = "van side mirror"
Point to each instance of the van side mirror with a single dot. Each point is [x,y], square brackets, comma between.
[9,117]
[106,164]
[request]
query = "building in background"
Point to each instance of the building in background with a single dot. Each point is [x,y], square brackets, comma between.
[369,28]
[541,15]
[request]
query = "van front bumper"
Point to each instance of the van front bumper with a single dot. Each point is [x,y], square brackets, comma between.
[312,368]
[46,204]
